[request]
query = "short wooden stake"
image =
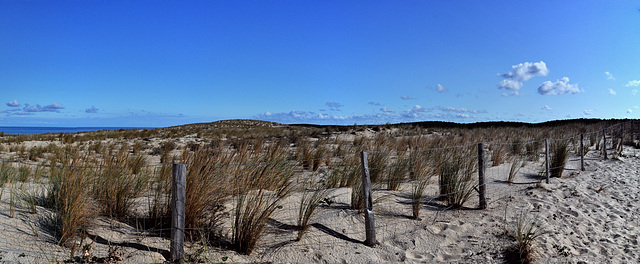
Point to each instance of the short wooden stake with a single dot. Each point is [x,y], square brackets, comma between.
[369,223]
[546,157]
[481,187]
[582,152]
[178,199]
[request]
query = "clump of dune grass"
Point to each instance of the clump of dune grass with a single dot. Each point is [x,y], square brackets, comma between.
[115,186]
[69,196]
[308,204]
[421,177]
[397,171]
[456,171]
[318,155]
[209,186]
[526,233]
[559,156]
[516,164]
[6,173]
[305,153]
[345,171]
[260,188]
[497,154]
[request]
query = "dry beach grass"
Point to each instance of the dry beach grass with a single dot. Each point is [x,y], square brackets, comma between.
[266,192]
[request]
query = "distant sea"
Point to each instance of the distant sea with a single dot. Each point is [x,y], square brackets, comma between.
[44,130]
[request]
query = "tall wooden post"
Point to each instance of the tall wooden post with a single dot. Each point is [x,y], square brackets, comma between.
[582,152]
[604,142]
[369,223]
[482,188]
[178,199]
[546,158]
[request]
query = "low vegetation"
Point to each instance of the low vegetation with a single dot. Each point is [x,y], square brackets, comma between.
[239,172]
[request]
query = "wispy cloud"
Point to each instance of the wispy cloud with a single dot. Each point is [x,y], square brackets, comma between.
[587,112]
[386,110]
[561,86]
[91,110]
[520,73]
[546,107]
[438,88]
[53,107]
[334,106]
[609,76]
[629,111]
[633,83]
[405,97]
[612,92]
[374,103]
[13,103]
[415,113]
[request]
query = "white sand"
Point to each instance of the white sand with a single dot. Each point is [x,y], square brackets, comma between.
[590,217]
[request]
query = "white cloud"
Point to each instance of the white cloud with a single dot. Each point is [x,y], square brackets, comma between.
[612,92]
[633,83]
[441,88]
[520,73]
[13,103]
[635,107]
[634,91]
[53,107]
[587,112]
[405,97]
[609,76]
[511,85]
[384,109]
[546,107]
[629,111]
[374,103]
[561,86]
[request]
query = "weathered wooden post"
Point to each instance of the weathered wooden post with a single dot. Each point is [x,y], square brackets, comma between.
[604,142]
[481,187]
[546,158]
[582,152]
[369,223]
[178,199]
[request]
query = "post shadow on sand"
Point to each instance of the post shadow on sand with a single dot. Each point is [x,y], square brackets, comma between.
[321,227]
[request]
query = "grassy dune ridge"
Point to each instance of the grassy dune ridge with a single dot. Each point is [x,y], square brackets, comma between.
[241,172]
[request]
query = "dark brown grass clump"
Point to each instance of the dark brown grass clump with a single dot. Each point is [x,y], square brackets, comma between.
[559,156]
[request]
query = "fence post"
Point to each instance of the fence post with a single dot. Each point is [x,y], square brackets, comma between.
[178,199]
[482,188]
[369,222]
[546,158]
[582,152]
[604,142]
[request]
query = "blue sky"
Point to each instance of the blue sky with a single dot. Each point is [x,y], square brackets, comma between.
[157,63]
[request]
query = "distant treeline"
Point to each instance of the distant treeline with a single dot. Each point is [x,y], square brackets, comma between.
[443,124]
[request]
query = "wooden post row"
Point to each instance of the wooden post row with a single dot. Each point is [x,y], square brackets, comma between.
[546,157]
[178,199]
[482,188]
[369,223]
